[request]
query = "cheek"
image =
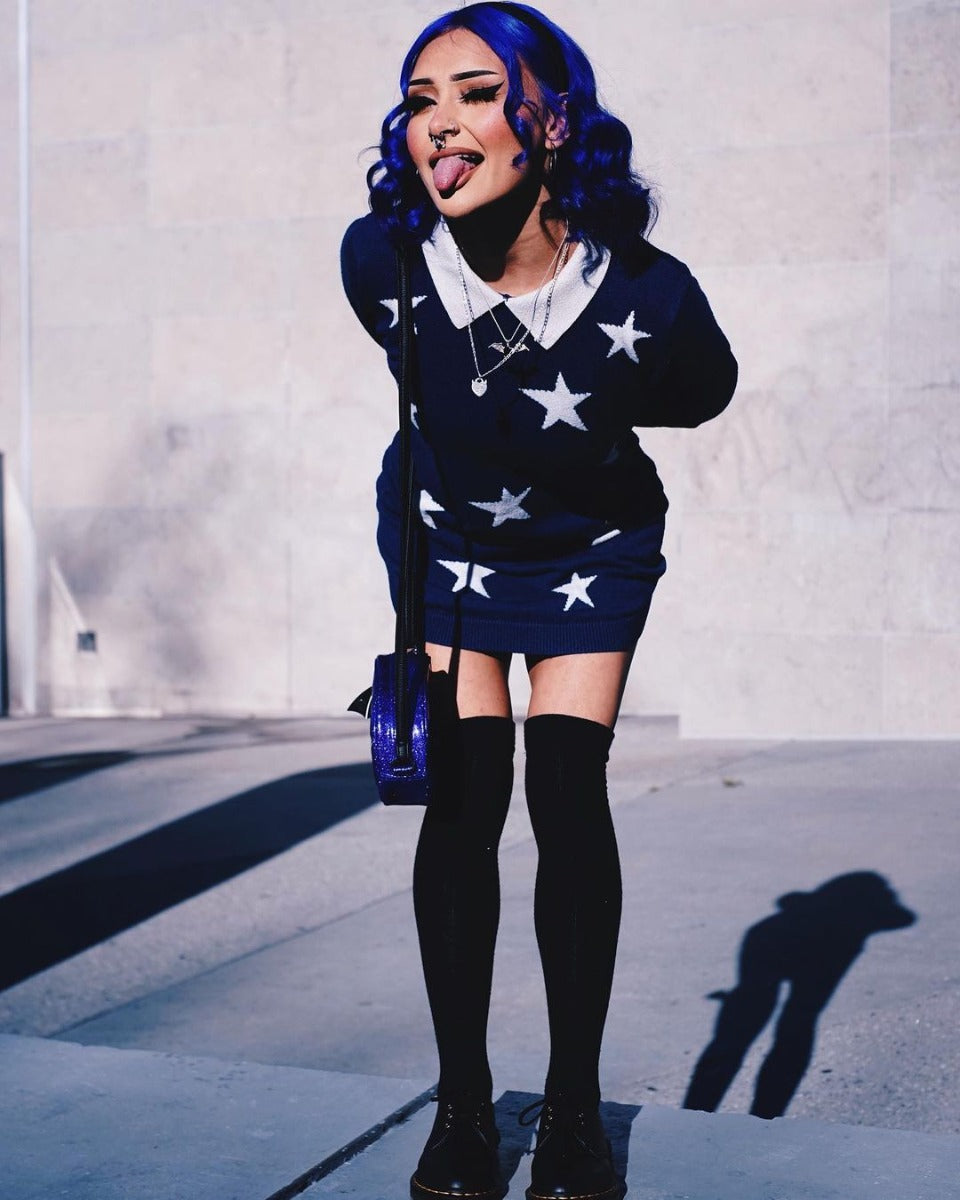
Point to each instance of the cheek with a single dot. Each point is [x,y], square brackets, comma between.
[501,129]
[498,139]
[419,146]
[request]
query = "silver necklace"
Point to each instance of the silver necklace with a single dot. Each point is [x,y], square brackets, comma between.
[505,343]
[479,382]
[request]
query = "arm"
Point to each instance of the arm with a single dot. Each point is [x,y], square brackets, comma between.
[358,250]
[699,373]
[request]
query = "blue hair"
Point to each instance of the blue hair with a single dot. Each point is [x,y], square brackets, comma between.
[591,183]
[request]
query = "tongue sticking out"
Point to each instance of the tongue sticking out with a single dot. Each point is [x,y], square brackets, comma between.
[448,171]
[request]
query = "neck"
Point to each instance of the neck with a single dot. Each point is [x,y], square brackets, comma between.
[507,244]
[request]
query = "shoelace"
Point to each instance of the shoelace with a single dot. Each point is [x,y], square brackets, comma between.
[451,1112]
[536,1108]
[554,1114]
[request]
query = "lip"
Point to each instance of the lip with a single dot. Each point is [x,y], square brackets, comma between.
[454,151]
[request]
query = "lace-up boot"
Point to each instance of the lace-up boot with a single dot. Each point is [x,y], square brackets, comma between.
[572,1159]
[460,1157]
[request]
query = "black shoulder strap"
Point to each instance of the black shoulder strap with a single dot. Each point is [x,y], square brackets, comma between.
[408,635]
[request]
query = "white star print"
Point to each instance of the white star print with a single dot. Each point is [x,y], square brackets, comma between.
[623,337]
[427,506]
[576,589]
[605,537]
[560,404]
[393,307]
[505,509]
[468,574]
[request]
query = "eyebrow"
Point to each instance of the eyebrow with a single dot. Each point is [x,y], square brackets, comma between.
[460,75]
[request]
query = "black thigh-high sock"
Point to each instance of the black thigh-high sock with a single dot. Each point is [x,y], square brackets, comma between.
[456,894]
[578,893]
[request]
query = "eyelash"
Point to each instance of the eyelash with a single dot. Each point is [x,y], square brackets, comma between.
[416,104]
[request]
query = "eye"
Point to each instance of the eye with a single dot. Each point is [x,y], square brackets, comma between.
[481,95]
[415,104]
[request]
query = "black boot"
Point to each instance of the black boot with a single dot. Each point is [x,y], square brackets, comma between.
[572,1160]
[460,1157]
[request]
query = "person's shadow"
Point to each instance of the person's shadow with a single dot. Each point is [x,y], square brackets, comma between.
[809,944]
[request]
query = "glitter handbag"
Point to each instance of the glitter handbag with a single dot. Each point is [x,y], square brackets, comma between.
[398,703]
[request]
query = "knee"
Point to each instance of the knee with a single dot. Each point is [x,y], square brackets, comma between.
[566,747]
[472,769]
[486,746]
[566,760]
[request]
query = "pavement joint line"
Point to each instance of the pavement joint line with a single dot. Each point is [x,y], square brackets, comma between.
[307,931]
[227,962]
[508,848]
[676,781]
[236,958]
[333,1162]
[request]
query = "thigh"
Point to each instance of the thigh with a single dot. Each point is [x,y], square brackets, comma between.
[481,680]
[579,685]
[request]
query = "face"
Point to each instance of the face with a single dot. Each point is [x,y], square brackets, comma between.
[456,94]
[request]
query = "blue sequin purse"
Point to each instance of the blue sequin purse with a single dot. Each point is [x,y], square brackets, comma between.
[400,762]
[398,703]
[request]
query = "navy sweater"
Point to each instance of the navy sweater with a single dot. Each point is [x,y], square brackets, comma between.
[555,425]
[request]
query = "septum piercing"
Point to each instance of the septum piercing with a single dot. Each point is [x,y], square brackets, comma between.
[439,140]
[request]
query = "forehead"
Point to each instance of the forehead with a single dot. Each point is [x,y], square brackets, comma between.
[453,51]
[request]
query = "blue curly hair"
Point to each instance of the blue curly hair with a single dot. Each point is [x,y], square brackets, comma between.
[591,184]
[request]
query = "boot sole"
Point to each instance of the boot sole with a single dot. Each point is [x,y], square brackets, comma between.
[614,1193]
[419,1191]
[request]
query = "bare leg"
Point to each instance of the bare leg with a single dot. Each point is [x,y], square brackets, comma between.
[481,680]
[579,685]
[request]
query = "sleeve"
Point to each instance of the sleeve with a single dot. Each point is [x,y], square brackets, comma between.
[357,270]
[699,374]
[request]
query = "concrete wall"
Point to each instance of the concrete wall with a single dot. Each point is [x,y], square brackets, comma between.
[209,418]
[819,567]
[16,531]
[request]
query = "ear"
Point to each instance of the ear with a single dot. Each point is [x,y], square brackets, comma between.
[556,131]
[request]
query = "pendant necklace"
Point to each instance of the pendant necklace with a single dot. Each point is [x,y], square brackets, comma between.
[506,341]
[479,382]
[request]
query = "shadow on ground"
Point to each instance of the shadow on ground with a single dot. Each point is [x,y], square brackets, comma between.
[31,775]
[809,945]
[70,911]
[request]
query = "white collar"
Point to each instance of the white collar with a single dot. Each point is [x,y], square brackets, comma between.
[571,294]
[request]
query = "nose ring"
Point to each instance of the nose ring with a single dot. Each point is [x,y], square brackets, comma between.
[439,140]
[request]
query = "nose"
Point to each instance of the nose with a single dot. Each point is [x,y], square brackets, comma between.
[442,122]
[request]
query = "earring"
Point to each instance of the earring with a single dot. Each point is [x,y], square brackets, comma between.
[550,165]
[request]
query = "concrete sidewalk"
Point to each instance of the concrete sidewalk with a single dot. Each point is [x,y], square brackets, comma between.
[218,990]
[92,1123]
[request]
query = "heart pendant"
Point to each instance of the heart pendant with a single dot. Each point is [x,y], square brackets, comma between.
[479,386]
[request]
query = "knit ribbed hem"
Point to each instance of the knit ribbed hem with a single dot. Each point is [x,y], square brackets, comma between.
[502,635]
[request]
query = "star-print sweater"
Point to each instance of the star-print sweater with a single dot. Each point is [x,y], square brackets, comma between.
[547,456]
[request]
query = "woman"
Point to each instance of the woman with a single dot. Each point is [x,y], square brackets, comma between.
[547,328]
